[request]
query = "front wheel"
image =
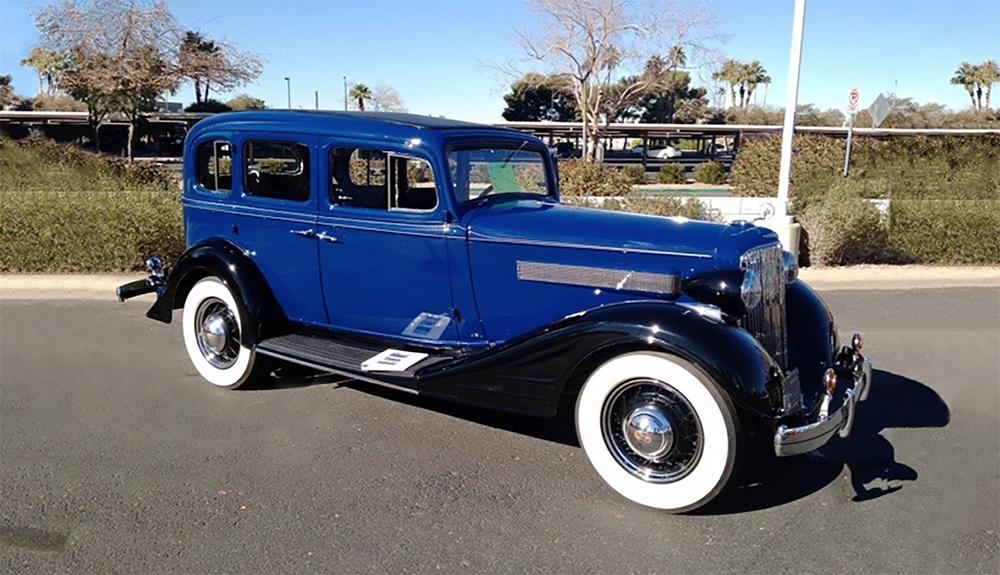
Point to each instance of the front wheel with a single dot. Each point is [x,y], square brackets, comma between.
[212,330]
[658,430]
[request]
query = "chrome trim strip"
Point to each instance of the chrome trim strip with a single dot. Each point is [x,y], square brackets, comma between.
[327,369]
[476,237]
[597,277]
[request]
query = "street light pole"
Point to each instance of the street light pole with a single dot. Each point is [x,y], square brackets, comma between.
[345,93]
[288,84]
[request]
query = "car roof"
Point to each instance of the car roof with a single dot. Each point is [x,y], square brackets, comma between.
[394,123]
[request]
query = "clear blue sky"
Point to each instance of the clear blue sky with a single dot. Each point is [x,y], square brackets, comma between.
[435,53]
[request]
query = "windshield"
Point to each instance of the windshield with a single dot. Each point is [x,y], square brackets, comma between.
[489,171]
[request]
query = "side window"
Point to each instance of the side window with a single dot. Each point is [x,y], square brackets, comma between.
[277,170]
[215,166]
[375,179]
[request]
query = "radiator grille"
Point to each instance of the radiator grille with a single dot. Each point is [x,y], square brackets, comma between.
[766,322]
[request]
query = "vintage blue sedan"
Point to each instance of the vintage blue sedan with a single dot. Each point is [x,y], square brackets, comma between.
[433,256]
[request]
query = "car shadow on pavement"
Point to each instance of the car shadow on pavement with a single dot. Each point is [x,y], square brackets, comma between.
[866,459]
[558,429]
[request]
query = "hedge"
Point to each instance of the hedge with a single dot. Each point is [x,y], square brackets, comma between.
[944,196]
[65,210]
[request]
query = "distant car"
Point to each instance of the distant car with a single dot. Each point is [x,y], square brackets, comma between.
[434,257]
[659,153]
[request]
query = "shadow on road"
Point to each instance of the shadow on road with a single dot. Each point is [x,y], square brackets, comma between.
[894,402]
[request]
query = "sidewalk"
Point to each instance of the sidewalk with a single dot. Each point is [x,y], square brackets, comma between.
[102,286]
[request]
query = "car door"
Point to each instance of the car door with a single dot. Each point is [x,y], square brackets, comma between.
[383,245]
[275,218]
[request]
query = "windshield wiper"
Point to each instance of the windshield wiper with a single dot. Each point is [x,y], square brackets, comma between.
[511,155]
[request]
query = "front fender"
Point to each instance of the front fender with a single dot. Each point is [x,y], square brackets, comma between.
[222,259]
[812,339]
[530,374]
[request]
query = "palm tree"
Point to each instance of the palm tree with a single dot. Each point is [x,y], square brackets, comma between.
[753,75]
[50,67]
[360,92]
[988,73]
[966,76]
[731,72]
[676,58]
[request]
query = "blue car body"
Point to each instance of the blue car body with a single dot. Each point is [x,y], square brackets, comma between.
[515,294]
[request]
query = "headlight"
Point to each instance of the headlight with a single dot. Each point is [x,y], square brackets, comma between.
[791,266]
[750,289]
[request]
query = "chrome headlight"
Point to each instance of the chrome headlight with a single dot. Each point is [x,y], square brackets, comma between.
[791,267]
[751,290]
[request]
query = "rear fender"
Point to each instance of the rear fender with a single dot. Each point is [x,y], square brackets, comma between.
[231,265]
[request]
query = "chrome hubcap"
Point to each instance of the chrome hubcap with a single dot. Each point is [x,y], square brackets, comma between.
[651,430]
[217,333]
[648,432]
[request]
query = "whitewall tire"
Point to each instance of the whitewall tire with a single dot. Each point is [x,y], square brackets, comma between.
[212,325]
[658,430]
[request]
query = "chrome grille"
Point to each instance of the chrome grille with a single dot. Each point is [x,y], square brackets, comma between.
[766,321]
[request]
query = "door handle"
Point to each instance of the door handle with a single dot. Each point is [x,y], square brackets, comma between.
[304,233]
[327,238]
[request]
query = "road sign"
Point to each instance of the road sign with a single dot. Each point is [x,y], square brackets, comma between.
[853,100]
[879,109]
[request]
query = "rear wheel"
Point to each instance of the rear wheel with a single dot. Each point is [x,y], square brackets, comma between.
[658,430]
[212,334]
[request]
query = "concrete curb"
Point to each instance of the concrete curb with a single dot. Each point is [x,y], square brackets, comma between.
[102,286]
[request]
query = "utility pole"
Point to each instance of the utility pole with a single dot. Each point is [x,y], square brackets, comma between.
[345,93]
[288,83]
[781,223]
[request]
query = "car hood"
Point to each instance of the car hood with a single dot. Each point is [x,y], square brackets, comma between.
[541,222]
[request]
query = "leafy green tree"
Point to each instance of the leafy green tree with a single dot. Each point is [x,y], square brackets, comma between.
[360,93]
[536,97]
[50,65]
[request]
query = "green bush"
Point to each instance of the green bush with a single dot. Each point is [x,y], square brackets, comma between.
[843,228]
[635,174]
[65,210]
[946,231]
[912,167]
[710,173]
[663,206]
[672,174]
[208,106]
[581,178]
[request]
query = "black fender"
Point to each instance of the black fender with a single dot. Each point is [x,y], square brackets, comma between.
[812,339]
[531,374]
[220,258]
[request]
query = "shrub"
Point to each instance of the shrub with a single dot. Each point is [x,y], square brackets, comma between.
[636,174]
[710,173]
[672,174]
[843,228]
[208,106]
[58,103]
[582,178]
[946,231]
[66,210]
[245,102]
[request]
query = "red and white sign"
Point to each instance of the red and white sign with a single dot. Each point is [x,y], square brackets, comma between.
[854,100]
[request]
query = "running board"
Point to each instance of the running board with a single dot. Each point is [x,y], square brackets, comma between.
[343,358]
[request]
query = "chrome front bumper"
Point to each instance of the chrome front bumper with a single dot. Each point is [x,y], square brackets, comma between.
[806,438]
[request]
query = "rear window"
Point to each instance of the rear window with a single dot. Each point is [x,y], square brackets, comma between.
[277,170]
[215,166]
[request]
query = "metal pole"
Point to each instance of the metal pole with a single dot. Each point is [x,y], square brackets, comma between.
[288,83]
[317,99]
[791,101]
[345,93]
[850,136]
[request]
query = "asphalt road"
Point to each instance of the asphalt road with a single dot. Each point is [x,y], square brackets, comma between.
[115,457]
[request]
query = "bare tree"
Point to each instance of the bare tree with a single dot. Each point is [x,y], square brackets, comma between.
[123,53]
[215,63]
[385,98]
[597,46]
